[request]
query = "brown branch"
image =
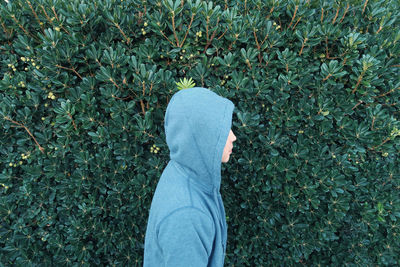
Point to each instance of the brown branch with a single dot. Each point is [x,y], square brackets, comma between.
[373,121]
[22,27]
[294,15]
[327,77]
[73,122]
[173,28]
[365,5]
[212,37]
[358,82]
[151,87]
[4,27]
[270,11]
[337,13]
[296,23]
[141,101]
[383,142]
[394,66]
[389,92]
[34,13]
[45,13]
[302,46]
[190,25]
[167,38]
[360,102]
[55,14]
[344,14]
[128,40]
[23,126]
[258,46]
[71,69]
[326,49]
[380,28]
[112,80]
[222,33]
[322,14]
[116,97]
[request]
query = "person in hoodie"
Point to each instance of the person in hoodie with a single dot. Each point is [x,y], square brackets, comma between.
[187,223]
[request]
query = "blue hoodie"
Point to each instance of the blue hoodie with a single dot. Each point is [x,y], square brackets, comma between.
[187,224]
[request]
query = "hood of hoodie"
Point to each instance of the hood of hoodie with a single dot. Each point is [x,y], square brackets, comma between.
[197,124]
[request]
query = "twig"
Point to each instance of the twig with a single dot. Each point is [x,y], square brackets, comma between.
[173,28]
[72,69]
[73,122]
[384,94]
[365,5]
[322,14]
[34,13]
[167,38]
[115,84]
[302,46]
[190,25]
[298,20]
[22,27]
[55,14]
[327,77]
[294,15]
[337,13]
[4,27]
[222,33]
[360,102]
[128,40]
[21,125]
[383,142]
[344,14]
[358,82]
[212,37]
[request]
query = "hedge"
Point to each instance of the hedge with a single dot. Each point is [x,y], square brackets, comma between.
[314,179]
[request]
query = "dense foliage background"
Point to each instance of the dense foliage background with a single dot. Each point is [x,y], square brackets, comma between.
[314,176]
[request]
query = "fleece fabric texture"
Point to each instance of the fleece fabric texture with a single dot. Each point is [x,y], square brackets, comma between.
[187,224]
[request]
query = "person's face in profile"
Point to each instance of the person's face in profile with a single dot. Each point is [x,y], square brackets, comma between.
[228,147]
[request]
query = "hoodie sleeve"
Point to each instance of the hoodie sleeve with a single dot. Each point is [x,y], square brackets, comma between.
[186,237]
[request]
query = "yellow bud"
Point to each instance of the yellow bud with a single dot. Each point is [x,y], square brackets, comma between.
[144,32]
[46,105]
[20,163]
[22,154]
[23,59]
[6,187]
[33,64]
[15,164]
[37,67]
[26,69]
[145,24]
[43,118]
[53,97]
[10,164]
[57,29]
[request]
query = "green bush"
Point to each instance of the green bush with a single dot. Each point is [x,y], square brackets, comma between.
[314,177]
